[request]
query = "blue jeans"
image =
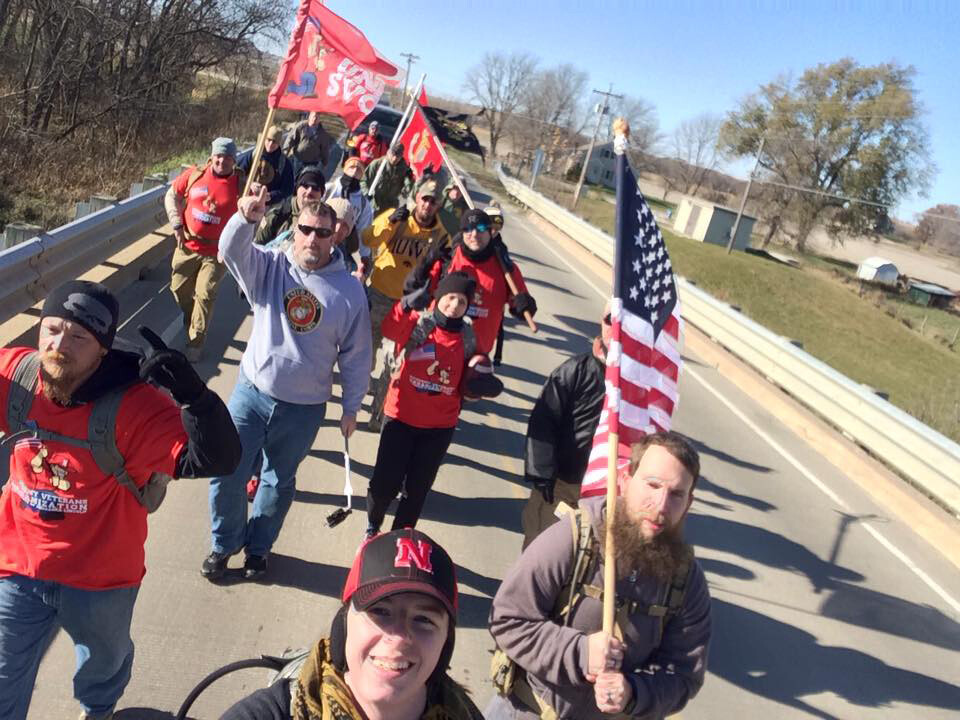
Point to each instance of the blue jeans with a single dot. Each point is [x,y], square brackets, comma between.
[98,622]
[284,432]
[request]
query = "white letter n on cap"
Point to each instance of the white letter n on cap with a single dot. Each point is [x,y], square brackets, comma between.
[416,553]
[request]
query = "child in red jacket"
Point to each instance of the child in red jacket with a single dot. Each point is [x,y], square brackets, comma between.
[434,367]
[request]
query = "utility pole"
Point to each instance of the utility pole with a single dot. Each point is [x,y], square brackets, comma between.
[411,58]
[746,193]
[602,111]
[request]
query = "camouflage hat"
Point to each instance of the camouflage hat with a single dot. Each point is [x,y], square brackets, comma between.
[274,133]
[426,188]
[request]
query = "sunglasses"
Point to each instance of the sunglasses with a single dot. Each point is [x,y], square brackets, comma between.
[479,227]
[311,186]
[321,232]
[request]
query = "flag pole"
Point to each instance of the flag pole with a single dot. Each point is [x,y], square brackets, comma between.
[258,151]
[514,290]
[621,133]
[407,113]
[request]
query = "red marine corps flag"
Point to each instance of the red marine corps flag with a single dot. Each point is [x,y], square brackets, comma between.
[420,145]
[330,67]
[643,362]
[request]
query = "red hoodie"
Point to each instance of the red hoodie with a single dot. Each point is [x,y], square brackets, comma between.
[425,391]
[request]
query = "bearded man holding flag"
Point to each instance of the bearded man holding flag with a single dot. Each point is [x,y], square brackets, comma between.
[608,612]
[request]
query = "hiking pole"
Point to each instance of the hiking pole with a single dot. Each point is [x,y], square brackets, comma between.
[340,514]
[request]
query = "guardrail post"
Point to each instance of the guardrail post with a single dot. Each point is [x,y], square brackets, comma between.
[152,181]
[17,232]
[99,202]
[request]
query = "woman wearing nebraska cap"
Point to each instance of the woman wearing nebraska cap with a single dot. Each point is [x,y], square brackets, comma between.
[389,646]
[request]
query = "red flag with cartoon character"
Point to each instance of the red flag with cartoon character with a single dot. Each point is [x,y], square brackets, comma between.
[330,67]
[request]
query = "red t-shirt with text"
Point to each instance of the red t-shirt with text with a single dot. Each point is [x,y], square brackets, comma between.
[425,392]
[212,201]
[61,519]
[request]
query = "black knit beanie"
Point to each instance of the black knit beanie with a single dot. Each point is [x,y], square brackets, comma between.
[89,304]
[474,217]
[457,282]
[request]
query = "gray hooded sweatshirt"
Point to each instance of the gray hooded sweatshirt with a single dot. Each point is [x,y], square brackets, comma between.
[663,677]
[303,322]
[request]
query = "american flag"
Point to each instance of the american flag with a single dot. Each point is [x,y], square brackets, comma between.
[643,362]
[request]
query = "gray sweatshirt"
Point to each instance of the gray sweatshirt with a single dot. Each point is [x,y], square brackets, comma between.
[303,322]
[664,678]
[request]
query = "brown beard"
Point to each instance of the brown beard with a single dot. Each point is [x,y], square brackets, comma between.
[658,558]
[58,387]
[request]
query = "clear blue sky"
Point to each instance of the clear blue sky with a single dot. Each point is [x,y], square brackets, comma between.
[688,57]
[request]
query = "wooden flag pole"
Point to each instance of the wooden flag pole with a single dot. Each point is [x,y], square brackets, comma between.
[609,547]
[258,151]
[621,129]
[407,114]
[514,290]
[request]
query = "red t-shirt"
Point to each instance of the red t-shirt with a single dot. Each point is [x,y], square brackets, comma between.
[212,201]
[61,519]
[426,391]
[486,307]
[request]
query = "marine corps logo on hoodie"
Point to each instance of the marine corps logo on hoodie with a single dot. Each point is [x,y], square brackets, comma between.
[303,309]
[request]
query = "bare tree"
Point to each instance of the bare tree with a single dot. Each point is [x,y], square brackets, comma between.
[550,116]
[498,82]
[940,227]
[695,154]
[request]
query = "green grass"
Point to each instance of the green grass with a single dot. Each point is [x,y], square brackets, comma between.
[872,339]
[195,156]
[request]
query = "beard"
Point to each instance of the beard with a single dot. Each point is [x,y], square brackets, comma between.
[658,557]
[59,377]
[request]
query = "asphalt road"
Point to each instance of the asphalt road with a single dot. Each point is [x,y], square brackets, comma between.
[824,605]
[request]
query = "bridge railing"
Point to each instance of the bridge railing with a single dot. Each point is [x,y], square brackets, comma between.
[927,458]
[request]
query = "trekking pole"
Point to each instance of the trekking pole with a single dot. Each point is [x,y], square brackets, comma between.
[340,514]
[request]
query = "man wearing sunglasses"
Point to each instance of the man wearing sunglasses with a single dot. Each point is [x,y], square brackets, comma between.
[309,314]
[282,217]
[487,262]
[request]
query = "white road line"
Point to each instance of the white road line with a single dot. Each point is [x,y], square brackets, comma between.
[142,307]
[816,482]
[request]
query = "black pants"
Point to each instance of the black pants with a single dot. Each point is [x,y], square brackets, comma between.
[408,457]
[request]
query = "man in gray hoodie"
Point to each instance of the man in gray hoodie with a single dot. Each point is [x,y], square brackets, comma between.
[565,666]
[309,314]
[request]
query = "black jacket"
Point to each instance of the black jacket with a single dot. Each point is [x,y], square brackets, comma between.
[563,421]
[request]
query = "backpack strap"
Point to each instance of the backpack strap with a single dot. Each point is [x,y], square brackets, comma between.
[23,385]
[195,175]
[584,551]
[102,434]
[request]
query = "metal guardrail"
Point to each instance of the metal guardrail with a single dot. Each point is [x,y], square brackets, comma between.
[929,459]
[30,269]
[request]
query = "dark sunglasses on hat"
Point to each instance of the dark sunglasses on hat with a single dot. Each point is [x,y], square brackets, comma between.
[322,232]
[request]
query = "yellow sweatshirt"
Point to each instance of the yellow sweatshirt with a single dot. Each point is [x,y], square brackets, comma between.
[397,248]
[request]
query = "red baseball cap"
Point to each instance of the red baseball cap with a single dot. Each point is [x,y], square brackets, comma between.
[401,561]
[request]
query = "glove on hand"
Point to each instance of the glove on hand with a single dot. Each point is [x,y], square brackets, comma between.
[169,369]
[522,302]
[399,215]
[545,488]
[419,299]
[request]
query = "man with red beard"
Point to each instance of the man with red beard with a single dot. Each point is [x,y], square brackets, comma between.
[547,624]
[560,434]
[92,446]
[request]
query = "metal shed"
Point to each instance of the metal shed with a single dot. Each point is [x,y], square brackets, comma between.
[709,223]
[878,270]
[930,295]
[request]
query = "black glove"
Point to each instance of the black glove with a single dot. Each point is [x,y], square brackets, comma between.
[545,487]
[419,299]
[169,369]
[399,215]
[521,303]
[500,248]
